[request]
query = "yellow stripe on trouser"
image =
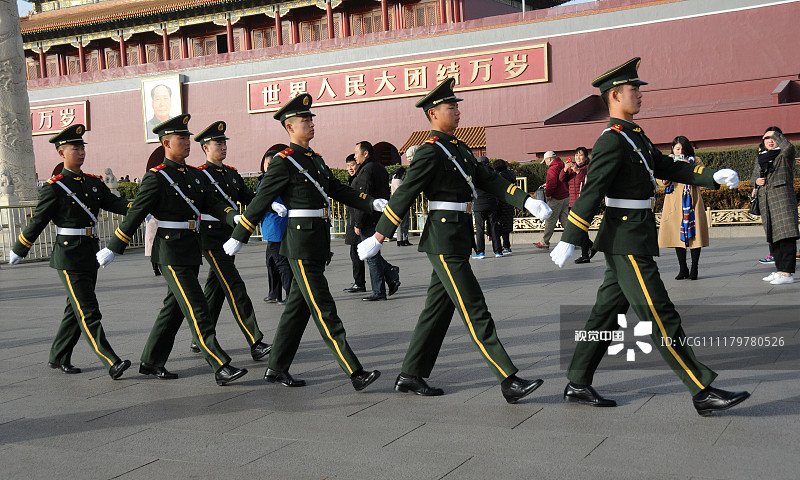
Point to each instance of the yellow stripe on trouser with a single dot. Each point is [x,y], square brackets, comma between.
[83,319]
[230,296]
[467,319]
[660,325]
[191,312]
[319,315]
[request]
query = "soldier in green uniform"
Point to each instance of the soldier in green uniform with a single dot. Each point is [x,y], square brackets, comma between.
[223,279]
[447,172]
[72,200]
[176,193]
[623,172]
[300,177]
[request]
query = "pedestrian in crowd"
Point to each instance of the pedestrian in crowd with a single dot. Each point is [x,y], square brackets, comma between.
[773,177]
[72,200]
[683,218]
[176,193]
[273,228]
[574,174]
[627,237]
[557,193]
[505,211]
[397,180]
[351,238]
[300,177]
[445,170]
[223,280]
[484,210]
[373,180]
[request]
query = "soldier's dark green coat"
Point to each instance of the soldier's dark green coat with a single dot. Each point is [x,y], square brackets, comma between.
[431,172]
[70,252]
[217,233]
[617,171]
[306,237]
[157,197]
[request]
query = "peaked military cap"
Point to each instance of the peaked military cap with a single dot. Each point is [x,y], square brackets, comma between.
[215,131]
[177,125]
[299,105]
[627,73]
[443,93]
[72,134]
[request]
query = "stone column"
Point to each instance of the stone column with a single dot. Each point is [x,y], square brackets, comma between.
[16,141]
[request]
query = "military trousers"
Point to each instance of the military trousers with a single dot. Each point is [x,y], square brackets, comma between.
[82,314]
[633,280]
[224,282]
[309,295]
[454,287]
[184,299]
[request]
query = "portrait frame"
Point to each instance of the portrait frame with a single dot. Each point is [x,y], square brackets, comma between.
[173,91]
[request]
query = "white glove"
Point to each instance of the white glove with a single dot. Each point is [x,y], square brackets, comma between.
[13,258]
[232,246]
[104,257]
[236,219]
[369,247]
[379,204]
[727,177]
[538,208]
[280,209]
[561,253]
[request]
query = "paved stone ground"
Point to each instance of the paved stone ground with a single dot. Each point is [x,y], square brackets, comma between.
[88,426]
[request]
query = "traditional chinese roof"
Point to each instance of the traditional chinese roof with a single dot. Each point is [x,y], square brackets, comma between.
[474,137]
[112,11]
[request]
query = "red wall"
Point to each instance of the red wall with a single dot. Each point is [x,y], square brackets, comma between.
[715,49]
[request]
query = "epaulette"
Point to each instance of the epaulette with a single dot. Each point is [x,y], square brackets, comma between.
[286,152]
[433,139]
[92,175]
[55,179]
[616,127]
[231,168]
[158,167]
[203,166]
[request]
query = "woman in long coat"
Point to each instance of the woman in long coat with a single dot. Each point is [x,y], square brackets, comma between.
[683,219]
[773,175]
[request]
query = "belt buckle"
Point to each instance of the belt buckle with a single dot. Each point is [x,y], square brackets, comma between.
[192,224]
[469,207]
[652,203]
[89,232]
[324,213]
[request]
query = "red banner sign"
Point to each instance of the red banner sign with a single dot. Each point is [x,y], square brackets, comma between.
[54,118]
[491,69]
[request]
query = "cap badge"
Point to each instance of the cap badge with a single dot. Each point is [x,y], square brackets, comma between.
[79,130]
[220,127]
[185,120]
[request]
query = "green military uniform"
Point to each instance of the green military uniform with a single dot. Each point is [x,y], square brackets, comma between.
[628,237]
[223,279]
[306,244]
[447,239]
[74,250]
[177,249]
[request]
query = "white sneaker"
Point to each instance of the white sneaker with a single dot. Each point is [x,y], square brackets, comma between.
[782,280]
[770,277]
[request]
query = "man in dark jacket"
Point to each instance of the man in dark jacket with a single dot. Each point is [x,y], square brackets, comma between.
[372,179]
[484,209]
[350,237]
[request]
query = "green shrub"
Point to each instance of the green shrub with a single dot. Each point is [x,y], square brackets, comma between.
[128,190]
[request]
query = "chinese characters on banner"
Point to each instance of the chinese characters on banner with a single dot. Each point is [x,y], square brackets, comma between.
[492,69]
[47,119]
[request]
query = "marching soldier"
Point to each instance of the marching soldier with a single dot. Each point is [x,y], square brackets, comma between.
[72,200]
[300,177]
[175,194]
[624,168]
[223,279]
[447,172]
